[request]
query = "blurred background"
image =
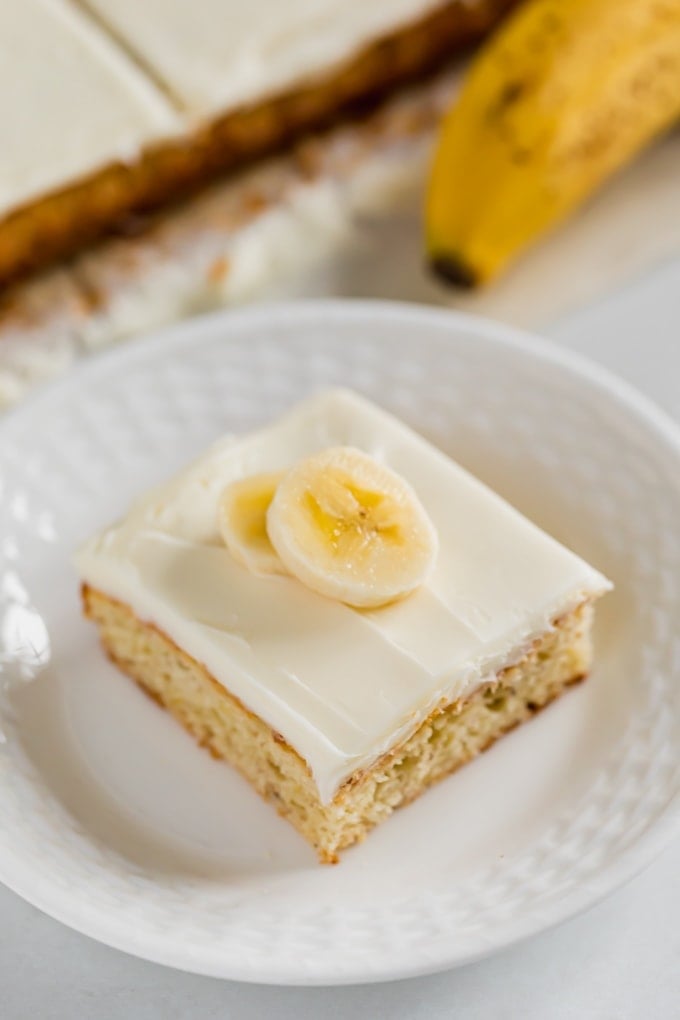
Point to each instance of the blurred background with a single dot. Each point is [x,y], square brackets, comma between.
[515,158]
[169,159]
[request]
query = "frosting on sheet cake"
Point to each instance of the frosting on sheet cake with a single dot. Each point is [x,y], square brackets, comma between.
[72,102]
[216,55]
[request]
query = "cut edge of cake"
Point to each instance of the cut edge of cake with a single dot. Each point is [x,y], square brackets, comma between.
[453,734]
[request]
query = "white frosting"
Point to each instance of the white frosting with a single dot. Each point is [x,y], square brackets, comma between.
[342,686]
[84,90]
[71,102]
[214,55]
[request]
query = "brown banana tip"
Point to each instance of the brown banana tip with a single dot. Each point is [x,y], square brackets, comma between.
[454,271]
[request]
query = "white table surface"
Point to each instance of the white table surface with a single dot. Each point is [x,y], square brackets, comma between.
[620,961]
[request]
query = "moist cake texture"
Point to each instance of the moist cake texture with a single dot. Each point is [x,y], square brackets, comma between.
[338,716]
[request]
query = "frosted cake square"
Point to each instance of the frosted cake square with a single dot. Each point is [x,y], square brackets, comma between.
[340,611]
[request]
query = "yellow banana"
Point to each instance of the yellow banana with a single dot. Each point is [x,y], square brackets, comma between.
[565,94]
[352,529]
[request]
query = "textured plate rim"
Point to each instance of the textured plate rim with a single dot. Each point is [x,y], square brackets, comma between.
[612,875]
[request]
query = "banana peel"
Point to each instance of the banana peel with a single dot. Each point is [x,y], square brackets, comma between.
[565,94]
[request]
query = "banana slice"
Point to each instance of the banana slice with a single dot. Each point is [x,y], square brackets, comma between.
[242,520]
[351,529]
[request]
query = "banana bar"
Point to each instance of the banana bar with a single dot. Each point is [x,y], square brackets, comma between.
[339,610]
[114,107]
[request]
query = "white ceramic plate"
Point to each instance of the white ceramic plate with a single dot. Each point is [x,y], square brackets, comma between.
[114,822]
